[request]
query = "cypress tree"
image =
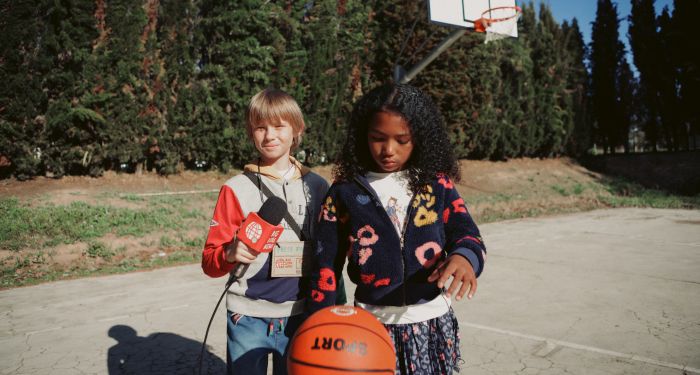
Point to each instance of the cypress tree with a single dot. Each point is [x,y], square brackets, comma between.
[485,126]
[516,99]
[686,61]
[335,43]
[175,33]
[626,88]
[551,111]
[577,87]
[119,91]
[237,44]
[22,101]
[644,42]
[292,57]
[533,133]
[74,135]
[605,57]
[668,85]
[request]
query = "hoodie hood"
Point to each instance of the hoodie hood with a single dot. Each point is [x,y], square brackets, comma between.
[273,174]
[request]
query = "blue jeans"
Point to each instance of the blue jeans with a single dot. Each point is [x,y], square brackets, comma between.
[250,340]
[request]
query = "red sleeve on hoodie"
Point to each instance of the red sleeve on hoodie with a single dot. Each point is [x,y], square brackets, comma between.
[226,221]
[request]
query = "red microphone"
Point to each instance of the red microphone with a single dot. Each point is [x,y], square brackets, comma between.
[261,230]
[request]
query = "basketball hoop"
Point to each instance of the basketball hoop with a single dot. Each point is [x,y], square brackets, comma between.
[498,22]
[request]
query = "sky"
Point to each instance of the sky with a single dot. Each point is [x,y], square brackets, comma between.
[584,11]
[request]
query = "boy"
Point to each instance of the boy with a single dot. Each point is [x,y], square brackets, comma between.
[265,304]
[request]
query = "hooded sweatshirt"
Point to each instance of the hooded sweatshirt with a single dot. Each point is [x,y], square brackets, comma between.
[257,293]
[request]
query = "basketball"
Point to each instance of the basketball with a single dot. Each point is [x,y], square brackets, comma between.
[341,340]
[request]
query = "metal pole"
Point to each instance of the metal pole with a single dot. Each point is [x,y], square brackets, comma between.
[445,44]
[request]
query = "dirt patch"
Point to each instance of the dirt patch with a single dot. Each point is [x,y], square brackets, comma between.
[479,177]
[93,190]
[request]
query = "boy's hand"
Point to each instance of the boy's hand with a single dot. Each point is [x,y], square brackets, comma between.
[237,251]
[462,272]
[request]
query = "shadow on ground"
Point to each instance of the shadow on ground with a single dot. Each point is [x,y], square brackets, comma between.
[158,353]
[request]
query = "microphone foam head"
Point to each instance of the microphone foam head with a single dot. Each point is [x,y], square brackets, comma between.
[273,210]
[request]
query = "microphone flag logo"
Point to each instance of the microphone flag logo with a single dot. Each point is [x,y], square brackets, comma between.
[253,231]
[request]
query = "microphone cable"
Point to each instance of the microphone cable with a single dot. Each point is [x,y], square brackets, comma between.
[230,281]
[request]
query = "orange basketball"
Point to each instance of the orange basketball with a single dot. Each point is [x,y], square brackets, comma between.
[341,340]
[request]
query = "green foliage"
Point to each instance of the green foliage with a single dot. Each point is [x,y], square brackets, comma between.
[334,39]
[201,132]
[131,85]
[511,98]
[606,54]
[577,84]
[645,50]
[677,35]
[552,111]
[22,226]
[623,193]
[74,139]
[562,191]
[97,249]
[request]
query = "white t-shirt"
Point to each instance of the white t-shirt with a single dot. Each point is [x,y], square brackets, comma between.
[395,195]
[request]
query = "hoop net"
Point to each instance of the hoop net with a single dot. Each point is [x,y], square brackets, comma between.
[499,23]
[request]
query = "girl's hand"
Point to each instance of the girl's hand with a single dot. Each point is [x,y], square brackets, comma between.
[237,251]
[462,272]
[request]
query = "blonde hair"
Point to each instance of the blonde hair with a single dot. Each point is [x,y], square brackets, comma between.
[275,105]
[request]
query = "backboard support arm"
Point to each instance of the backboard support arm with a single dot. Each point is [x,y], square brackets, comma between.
[399,75]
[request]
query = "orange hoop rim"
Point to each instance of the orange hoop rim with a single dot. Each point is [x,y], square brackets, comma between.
[482,23]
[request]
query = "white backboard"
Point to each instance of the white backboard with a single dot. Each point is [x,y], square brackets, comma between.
[462,13]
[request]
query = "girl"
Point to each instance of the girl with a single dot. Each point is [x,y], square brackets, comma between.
[265,305]
[398,155]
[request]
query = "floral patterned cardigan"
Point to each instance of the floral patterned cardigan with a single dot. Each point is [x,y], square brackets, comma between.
[390,269]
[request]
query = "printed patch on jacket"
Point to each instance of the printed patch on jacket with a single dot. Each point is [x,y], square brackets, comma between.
[213,223]
[362,199]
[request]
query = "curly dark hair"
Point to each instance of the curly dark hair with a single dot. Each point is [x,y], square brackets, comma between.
[432,151]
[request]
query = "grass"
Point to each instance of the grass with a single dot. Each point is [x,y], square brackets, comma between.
[23,226]
[573,196]
[30,231]
[622,193]
[98,249]
[160,225]
[561,190]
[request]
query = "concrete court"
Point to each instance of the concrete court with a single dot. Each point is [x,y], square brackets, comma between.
[602,292]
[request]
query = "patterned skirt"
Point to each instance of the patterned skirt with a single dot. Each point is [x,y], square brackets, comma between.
[427,348]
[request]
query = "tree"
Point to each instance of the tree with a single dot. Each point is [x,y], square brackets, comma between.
[239,46]
[605,57]
[127,85]
[686,62]
[174,69]
[73,138]
[22,100]
[626,90]
[335,41]
[552,112]
[645,46]
[517,99]
[118,88]
[668,85]
[577,84]
[531,135]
